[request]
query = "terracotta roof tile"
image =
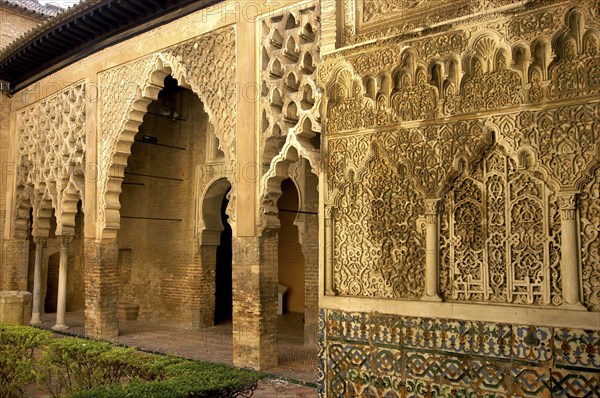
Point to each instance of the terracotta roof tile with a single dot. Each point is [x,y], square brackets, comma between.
[34,7]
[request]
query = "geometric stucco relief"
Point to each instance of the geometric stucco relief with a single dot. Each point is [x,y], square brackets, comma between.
[369,19]
[498,123]
[205,64]
[51,158]
[289,104]
[501,235]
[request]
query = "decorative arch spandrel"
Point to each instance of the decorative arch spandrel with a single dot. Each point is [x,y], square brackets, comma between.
[206,64]
[51,152]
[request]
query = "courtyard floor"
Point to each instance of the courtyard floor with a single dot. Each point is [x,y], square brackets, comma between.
[297,362]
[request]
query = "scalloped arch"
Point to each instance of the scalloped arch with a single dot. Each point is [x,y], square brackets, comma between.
[293,149]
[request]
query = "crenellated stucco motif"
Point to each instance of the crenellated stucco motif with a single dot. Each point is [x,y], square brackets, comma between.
[290,103]
[51,160]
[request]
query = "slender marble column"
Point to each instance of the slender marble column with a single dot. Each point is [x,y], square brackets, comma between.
[432,247]
[569,264]
[329,278]
[40,243]
[61,304]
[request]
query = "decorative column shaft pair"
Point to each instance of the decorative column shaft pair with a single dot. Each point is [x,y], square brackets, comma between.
[61,305]
[571,285]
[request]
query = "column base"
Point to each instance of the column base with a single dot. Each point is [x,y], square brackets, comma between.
[59,327]
[573,307]
[35,319]
[435,299]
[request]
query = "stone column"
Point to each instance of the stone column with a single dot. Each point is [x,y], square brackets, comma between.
[329,252]
[255,276]
[310,246]
[432,247]
[101,279]
[40,244]
[61,305]
[569,264]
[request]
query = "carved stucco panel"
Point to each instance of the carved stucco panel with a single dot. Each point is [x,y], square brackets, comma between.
[51,155]
[500,227]
[566,140]
[514,123]
[205,63]
[379,248]
[370,19]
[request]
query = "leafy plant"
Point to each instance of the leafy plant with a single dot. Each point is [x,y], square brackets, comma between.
[73,364]
[87,368]
[18,347]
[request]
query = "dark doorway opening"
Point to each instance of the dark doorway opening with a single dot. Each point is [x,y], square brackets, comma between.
[223,282]
[52,286]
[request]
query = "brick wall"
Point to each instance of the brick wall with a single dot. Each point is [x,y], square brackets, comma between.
[101,279]
[165,265]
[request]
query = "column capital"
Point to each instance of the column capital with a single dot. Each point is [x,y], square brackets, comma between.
[431,209]
[64,240]
[40,241]
[567,203]
[329,214]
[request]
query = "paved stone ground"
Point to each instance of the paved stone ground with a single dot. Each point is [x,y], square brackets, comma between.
[296,360]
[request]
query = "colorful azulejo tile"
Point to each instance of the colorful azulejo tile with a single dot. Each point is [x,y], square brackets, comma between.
[567,383]
[354,327]
[419,332]
[453,336]
[455,371]
[334,323]
[492,339]
[422,389]
[532,343]
[423,366]
[490,375]
[386,361]
[385,330]
[530,382]
[577,348]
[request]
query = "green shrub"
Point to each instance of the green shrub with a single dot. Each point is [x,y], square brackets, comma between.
[178,378]
[18,345]
[73,364]
[86,368]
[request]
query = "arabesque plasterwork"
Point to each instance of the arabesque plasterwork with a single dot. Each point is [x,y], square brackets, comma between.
[498,123]
[51,157]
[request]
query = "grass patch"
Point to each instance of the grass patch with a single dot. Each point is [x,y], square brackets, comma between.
[82,368]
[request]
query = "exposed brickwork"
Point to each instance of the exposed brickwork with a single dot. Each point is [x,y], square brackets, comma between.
[255,301]
[205,295]
[15,260]
[310,247]
[5,173]
[101,280]
[164,272]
